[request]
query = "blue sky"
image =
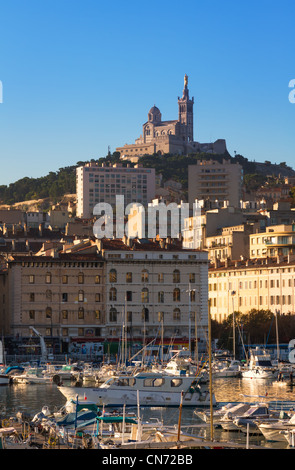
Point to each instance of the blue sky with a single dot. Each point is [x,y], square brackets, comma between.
[80,75]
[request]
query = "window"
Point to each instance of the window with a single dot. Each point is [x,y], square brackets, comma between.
[80,278]
[176,314]
[192,277]
[31,279]
[48,278]
[48,312]
[64,297]
[153,382]
[161,297]
[129,296]
[192,296]
[160,277]
[144,276]
[176,276]
[97,297]
[32,297]
[65,279]
[81,313]
[32,314]
[128,277]
[113,294]
[145,314]
[97,279]
[64,314]
[176,382]
[113,275]
[145,295]
[97,314]
[176,295]
[81,296]
[113,315]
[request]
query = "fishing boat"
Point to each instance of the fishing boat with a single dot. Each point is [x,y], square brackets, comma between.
[260,366]
[154,389]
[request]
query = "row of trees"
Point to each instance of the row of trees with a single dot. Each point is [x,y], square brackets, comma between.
[255,327]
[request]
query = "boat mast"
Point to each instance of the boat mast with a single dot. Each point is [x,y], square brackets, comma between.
[210,370]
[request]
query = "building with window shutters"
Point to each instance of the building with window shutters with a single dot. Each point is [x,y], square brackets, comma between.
[96,289]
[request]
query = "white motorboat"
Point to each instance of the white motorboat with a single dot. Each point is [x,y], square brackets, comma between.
[32,375]
[274,431]
[233,369]
[260,366]
[227,420]
[250,420]
[154,389]
[205,415]
[5,379]
[183,367]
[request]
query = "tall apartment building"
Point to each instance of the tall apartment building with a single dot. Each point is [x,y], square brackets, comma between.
[262,284]
[210,180]
[102,183]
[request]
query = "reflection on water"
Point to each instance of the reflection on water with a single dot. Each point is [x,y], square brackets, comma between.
[31,398]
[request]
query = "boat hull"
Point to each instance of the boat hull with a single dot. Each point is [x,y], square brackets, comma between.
[107,397]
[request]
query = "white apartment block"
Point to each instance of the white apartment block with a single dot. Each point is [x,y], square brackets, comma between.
[261,284]
[211,180]
[96,184]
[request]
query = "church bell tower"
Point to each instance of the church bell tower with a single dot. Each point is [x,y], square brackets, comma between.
[186,114]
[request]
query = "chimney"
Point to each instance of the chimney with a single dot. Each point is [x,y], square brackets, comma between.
[13,245]
[40,230]
[27,245]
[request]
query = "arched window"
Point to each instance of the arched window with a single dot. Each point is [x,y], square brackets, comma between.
[113,315]
[176,295]
[176,276]
[144,275]
[113,294]
[145,314]
[145,295]
[113,275]
[176,314]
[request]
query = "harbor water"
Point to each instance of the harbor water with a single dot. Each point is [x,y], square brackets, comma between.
[30,398]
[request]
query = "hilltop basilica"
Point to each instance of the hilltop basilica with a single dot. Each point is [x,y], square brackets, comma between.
[175,137]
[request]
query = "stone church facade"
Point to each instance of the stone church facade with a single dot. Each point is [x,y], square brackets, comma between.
[175,137]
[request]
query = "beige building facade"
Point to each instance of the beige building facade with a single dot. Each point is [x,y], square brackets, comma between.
[277,240]
[60,296]
[210,180]
[262,284]
[97,184]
